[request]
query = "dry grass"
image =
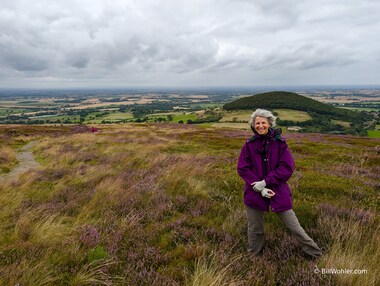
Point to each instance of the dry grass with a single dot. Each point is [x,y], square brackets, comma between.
[94,273]
[28,272]
[51,229]
[7,159]
[209,272]
[137,204]
[354,245]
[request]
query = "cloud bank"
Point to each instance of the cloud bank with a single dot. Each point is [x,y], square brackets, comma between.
[185,43]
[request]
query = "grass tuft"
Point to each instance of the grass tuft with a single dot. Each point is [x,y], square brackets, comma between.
[208,272]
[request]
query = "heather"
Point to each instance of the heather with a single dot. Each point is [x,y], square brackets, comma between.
[161,204]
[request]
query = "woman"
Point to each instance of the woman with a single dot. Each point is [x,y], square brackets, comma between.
[266,164]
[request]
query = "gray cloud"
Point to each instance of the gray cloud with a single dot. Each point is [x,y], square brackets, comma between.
[187,43]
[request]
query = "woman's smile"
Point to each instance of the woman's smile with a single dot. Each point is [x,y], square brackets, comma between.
[261,125]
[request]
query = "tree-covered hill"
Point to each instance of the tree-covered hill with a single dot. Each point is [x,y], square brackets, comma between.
[287,100]
[323,115]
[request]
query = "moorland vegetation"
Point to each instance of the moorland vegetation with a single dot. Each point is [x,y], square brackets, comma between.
[161,204]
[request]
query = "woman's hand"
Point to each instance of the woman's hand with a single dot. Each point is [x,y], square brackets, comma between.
[259,186]
[267,193]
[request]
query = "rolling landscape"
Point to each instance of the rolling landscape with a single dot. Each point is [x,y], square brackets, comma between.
[354,111]
[121,125]
[153,197]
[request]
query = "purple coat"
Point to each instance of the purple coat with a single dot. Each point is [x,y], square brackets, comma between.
[279,169]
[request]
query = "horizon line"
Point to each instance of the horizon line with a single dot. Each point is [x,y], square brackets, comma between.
[195,87]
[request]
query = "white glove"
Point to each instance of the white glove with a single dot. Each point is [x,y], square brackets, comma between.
[259,186]
[267,193]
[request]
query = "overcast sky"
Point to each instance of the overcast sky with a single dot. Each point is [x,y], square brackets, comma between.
[117,43]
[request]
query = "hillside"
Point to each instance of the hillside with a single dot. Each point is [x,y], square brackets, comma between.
[287,100]
[162,204]
[324,118]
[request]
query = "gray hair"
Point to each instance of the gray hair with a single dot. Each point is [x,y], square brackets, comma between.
[263,113]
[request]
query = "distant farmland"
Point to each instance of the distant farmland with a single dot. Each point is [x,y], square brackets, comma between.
[60,107]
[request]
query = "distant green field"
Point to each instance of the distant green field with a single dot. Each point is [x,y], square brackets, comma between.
[5,103]
[238,115]
[177,116]
[118,116]
[360,108]
[90,118]
[8,111]
[374,133]
[62,118]
[26,102]
[165,113]
[37,104]
[205,105]
[184,117]
[343,123]
[292,115]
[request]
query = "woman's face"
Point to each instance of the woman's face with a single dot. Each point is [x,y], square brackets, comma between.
[261,125]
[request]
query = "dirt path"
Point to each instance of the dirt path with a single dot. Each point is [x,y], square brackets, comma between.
[25,160]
